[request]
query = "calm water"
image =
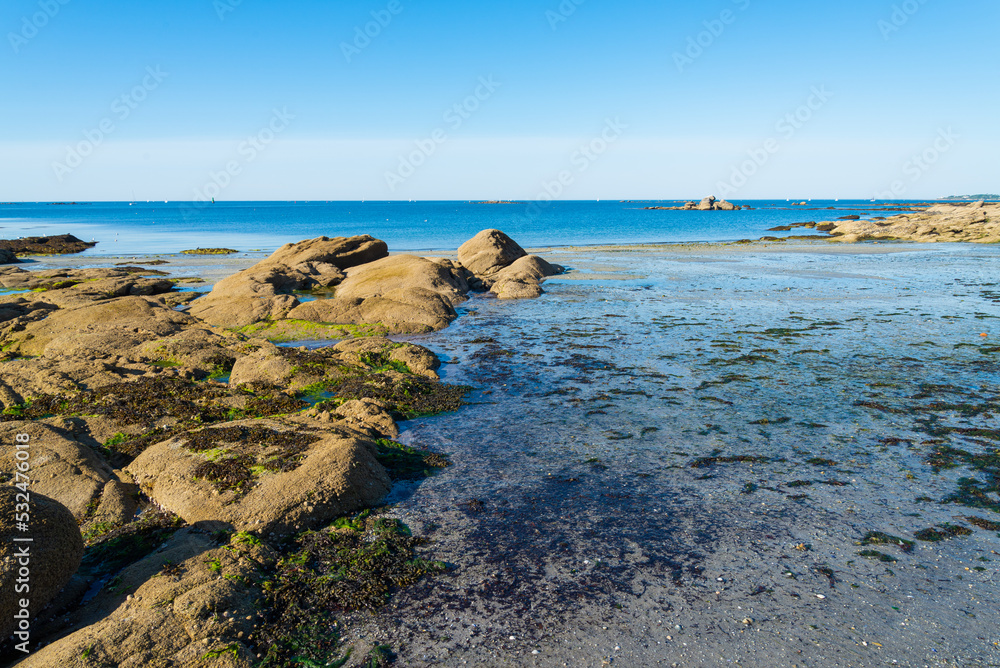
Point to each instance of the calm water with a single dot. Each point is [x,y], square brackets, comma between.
[694,437]
[158,227]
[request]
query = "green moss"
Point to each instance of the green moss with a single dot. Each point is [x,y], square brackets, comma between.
[379,362]
[97,530]
[286,331]
[875,554]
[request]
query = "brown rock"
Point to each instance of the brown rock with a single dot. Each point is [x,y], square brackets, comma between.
[514,288]
[263,292]
[109,326]
[975,223]
[198,614]
[488,252]
[198,349]
[369,416]
[418,359]
[401,272]
[55,553]
[336,475]
[342,252]
[402,311]
[62,468]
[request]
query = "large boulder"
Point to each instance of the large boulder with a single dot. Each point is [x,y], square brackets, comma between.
[342,252]
[7,256]
[503,267]
[102,328]
[401,272]
[62,468]
[264,291]
[403,293]
[488,252]
[401,311]
[261,475]
[189,604]
[55,553]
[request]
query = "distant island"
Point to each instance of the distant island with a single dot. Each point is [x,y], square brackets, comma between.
[974,198]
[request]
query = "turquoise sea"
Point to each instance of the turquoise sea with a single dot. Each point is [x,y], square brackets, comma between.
[169,227]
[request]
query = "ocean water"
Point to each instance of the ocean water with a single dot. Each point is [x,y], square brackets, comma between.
[161,227]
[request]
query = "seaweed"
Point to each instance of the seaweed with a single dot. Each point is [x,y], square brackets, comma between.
[705,462]
[405,463]
[116,549]
[354,565]
[983,523]
[408,397]
[880,538]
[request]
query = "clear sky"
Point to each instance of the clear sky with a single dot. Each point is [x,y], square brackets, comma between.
[247,99]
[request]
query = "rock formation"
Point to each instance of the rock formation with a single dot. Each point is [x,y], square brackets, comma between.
[144,419]
[364,287]
[975,223]
[707,204]
[60,244]
[55,553]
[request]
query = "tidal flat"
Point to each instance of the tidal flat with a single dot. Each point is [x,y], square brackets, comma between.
[769,454]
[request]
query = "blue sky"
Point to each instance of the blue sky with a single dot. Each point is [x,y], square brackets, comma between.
[253,100]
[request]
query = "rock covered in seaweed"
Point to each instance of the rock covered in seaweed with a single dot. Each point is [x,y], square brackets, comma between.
[268,476]
[59,244]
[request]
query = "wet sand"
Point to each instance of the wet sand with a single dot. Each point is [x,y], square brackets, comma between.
[674,456]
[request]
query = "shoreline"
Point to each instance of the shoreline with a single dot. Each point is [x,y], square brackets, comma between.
[530,471]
